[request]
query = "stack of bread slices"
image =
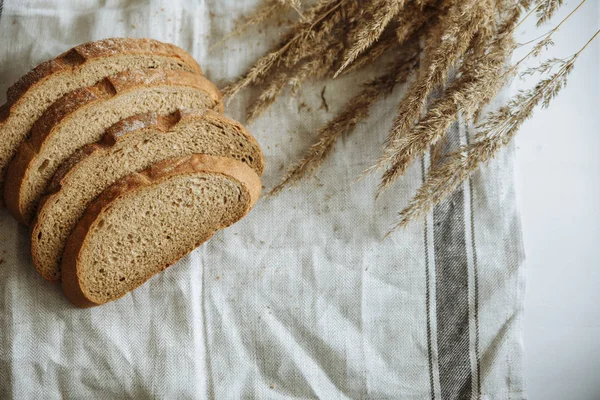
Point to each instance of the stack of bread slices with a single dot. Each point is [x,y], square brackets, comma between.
[117,156]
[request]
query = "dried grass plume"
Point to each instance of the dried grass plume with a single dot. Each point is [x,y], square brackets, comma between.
[459,52]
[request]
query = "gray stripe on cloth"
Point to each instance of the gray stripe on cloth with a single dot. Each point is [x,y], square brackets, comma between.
[476,295]
[452,289]
[475,275]
[472,275]
[428,300]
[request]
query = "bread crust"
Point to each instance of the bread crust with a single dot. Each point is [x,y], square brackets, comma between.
[127,186]
[151,120]
[80,57]
[59,112]
[115,134]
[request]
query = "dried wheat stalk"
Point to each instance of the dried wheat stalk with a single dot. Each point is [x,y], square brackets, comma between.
[480,79]
[267,11]
[442,52]
[494,134]
[378,15]
[356,110]
[462,49]
[318,19]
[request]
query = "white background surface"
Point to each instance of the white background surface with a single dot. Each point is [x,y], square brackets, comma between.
[558,189]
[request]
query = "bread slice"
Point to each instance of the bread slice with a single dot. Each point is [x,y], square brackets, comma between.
[82,116]
[147,221]
[82,66]
[130,145]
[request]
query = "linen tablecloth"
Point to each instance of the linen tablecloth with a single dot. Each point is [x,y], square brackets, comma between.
[302,299]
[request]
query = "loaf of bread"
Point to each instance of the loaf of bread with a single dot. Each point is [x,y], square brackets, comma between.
[149,220]
[83,115]
[129,146]
[82,66]
[118,153]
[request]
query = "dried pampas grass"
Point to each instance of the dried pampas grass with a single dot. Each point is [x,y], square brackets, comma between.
[458,50]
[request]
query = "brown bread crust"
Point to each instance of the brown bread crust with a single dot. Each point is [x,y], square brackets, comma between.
[151,120]
[116,133]
[109,87]
[126,187]
[79,55]
[76,59]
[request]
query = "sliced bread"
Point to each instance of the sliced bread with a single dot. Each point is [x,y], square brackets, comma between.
[147,221]
[130,145]
[81,66]
[82,116]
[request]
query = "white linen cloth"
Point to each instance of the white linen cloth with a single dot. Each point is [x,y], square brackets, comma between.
[304,298]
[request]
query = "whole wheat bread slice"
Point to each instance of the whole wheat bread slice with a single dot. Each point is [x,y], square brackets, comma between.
[130,145]
[82,116]
[82,66]
[147,221]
